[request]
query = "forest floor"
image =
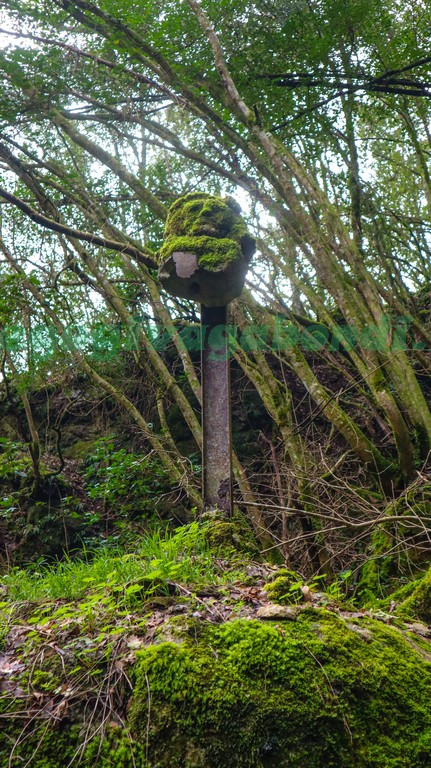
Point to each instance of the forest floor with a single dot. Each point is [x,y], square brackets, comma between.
[73,634]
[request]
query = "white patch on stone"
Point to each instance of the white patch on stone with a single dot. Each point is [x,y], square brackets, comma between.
[185,263]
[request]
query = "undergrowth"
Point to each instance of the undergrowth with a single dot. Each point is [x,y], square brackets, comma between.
[160,557]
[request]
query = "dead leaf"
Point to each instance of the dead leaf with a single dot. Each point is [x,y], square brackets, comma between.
[134,642]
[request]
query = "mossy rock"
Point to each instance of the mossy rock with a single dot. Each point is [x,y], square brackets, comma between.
[309,693]
[320,692]
[226,536]
[15,465]
[285,587]
[207,249]
[414,599]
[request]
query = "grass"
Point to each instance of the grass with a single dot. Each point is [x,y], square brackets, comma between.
[161,557]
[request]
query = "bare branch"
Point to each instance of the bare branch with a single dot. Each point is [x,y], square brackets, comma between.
[55,226]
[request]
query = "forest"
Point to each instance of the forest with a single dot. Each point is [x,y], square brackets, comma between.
[142,627]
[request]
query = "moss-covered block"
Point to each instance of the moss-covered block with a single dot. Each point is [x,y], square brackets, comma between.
[206,250]
[307,693]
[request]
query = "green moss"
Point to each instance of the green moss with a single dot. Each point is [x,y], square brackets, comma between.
[212,253]
[415,600]
[50,745]
[209,226]
[285,588]
[313,693]
[44,681]
[116,750]
[199,214]
[229,536]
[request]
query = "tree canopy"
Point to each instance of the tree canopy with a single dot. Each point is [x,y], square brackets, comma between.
[315,116]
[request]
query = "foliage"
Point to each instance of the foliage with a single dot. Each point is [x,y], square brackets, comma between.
[160,557]
[15,465]
[131,485]
[115,123]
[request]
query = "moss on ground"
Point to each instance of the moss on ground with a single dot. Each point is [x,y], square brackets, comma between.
[58,745]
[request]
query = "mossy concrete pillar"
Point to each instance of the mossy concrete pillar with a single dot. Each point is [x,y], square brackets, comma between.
[205,256]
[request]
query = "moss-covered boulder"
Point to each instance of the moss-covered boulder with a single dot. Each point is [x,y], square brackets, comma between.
[207,249]
[318,692]
[98,669]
